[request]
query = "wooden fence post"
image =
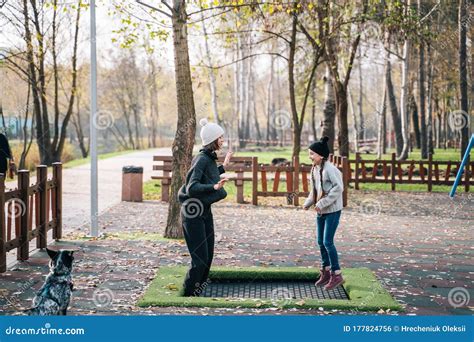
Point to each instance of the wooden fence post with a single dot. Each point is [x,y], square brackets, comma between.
[356,171]
[239,183]
[392,173]
[42,224]
[3,233]
[254,180]
[345,179]
[430,172]
[58,186]
[23,185]
[296,178]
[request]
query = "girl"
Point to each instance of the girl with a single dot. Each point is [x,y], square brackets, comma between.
[203,187]
[326,195]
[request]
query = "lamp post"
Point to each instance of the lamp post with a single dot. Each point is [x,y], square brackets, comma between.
[94,229]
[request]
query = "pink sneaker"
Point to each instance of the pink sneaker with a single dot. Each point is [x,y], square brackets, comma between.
[335,281]
[324,277]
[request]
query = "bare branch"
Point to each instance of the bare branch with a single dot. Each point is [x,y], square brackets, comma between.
[169,7]
[394,53]
[154,8]
[431,11]
[241,59]
[227,7]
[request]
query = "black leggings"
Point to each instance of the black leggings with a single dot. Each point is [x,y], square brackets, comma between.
[199,236]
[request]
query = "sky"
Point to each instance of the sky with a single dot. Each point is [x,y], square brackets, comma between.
[105,24]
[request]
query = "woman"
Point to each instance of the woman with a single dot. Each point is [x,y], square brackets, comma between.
[326,195]
[202,188]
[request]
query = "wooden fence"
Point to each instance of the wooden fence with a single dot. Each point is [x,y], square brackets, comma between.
[239,166]
[267,180]
[30,211]
[291,180]
[395,172]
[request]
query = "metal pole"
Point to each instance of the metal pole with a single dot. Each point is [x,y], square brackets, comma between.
[94,230]
[461,168]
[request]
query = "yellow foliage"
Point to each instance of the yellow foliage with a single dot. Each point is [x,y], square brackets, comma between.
[33,158]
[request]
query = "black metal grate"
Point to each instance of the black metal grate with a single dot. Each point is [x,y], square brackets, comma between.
[275,290]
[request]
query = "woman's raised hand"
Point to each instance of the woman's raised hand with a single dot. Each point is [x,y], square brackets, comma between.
[227,158]
[220,184]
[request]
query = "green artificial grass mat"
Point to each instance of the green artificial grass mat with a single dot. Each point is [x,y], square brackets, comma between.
[364,290]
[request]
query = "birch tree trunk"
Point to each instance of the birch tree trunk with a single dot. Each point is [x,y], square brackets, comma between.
[361,131]
[270,101]
[354,119]
[381,133]
[404,97]
[210,70]
[329,112]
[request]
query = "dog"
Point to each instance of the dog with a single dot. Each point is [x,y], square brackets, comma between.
[54,296]
[279,162]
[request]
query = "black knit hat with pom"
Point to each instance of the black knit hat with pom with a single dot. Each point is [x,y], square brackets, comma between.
[321,147]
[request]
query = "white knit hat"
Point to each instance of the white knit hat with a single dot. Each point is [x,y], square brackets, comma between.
[209,131]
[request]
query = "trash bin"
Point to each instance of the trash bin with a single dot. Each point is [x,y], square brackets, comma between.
[132,183]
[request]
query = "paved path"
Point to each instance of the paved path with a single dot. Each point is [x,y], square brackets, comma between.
[76,187]
[76,184]
[419,245]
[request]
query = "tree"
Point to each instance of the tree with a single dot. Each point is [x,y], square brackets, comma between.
[317,44]
[404,90]
[211,72]
[77,121]
[186,128]
[462,22]
[394,113]
[39,31]
[429,124]
[341,75]
[415,123]
[421,94]
[329,111]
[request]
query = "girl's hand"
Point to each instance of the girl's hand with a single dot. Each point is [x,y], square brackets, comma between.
[318,210]
[227,158]
[220,184]
[305,208]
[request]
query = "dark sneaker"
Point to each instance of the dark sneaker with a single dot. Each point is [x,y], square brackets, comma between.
[324,277]
[335,281]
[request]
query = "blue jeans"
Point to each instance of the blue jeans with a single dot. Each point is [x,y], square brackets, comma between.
[327,225]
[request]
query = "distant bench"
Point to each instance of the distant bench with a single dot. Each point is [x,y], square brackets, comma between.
[238,165]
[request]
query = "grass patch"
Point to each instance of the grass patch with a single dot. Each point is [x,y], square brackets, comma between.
[407,187]
[364,290]
[152,190]
[82,161]
[286,152]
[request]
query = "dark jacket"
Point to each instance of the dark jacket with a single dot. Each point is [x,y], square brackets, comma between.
[200,180]
[5,153]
